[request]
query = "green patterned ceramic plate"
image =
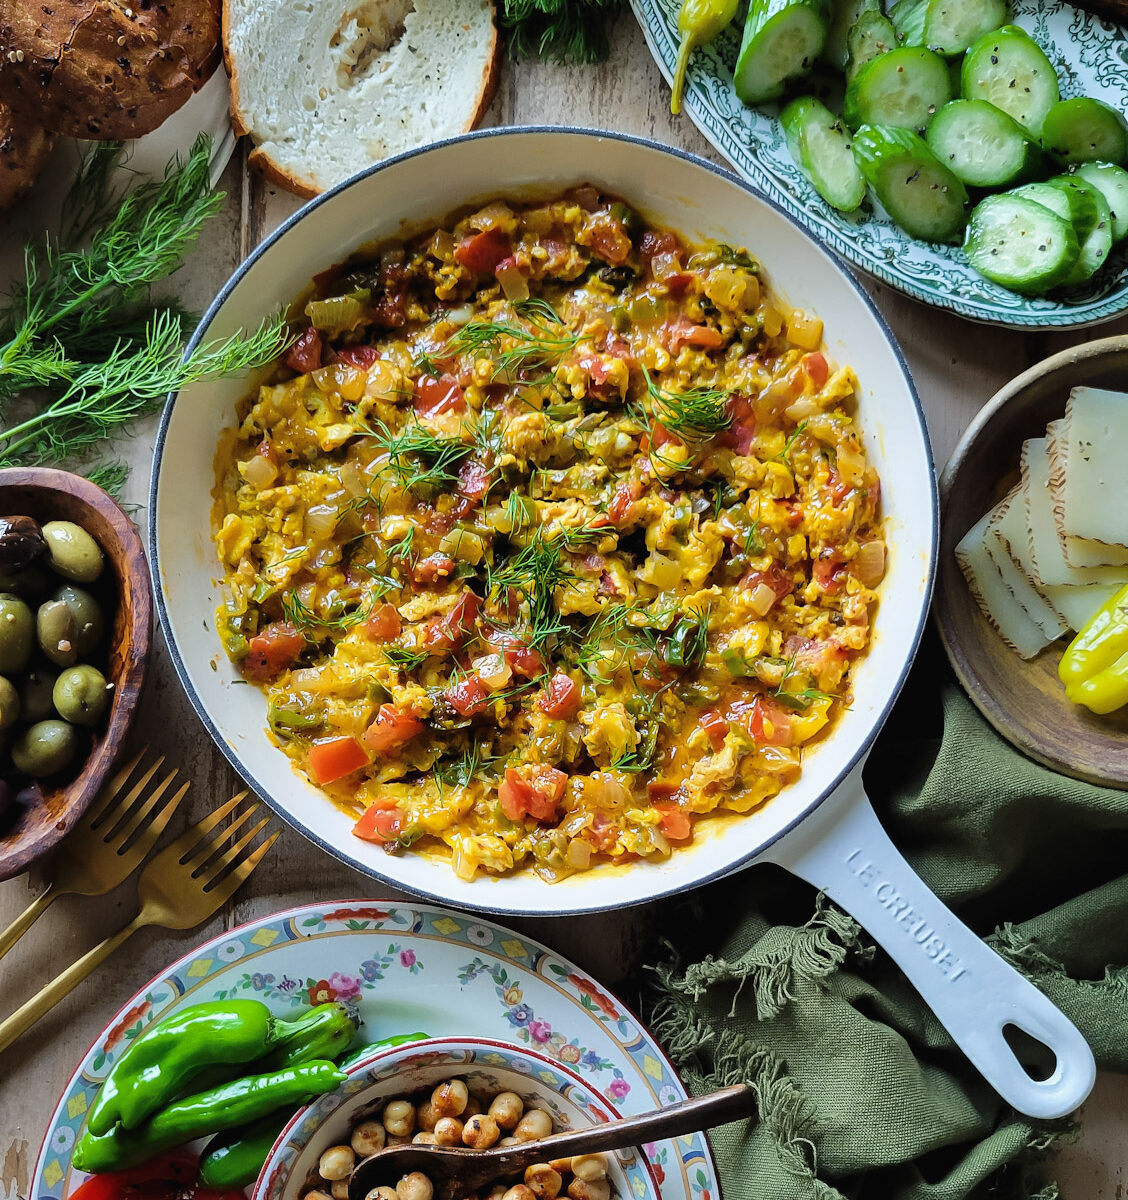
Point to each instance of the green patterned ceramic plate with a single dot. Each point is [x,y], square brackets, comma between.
[1091,57]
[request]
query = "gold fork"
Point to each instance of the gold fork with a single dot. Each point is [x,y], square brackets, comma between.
[180,887]
[108,845]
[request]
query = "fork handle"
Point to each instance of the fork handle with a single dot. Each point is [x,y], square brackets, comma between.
[27,918]
[62,985]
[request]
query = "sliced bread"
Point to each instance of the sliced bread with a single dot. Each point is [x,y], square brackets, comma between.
[326,88]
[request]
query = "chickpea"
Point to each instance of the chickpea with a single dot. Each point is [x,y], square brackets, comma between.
[535,1124]
[450,1099]
[519,1192]
[448,1131]
[382,1193]
[336,1163]
[474,1108]
[480,1132]
[589,1189]
[399,1118]
[425,1138]
[563,1165]
[543,1181]
[415,1186]
[316,1195]
[368,1138]
[589,1167]
[427,1117]
[506,1109]
[510,1141]
[340,1189]
[497,1191]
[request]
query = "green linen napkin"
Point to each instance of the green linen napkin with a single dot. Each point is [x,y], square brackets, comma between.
[862,1094]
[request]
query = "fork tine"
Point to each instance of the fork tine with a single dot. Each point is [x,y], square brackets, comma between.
[109,790]
[217,863]
[110,820]
[146,837]
[188,842]
[211,845]
[131,821]
[221,890]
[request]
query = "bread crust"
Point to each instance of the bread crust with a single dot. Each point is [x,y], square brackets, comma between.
[24,151]
[100,69]
[285,177]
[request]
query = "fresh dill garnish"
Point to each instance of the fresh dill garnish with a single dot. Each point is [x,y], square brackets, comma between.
[535,574]
[306,621]
[784,456]
[110,477]
[460,772]
[402,549]
[737,258]
[753,543]
[694,415]
[800,701]
[405,658]
[517,515]
[512,347]
[538,307]
[418,458]
[562,31]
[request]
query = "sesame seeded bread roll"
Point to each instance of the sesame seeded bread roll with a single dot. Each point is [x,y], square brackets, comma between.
[24,151]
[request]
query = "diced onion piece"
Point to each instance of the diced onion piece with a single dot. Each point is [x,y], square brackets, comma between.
[260,472]
[442,244]
[851,465]
[463,545]
[762,599]
[605,791]
[869,563]
[461,315]
[662,572]
[578,856]
[804,330]
[497,215]
[803,409]
[727,288]
[662,266]
[348,382]
[774,399]
[337,314]
[772,321]
[512,280]
[493,671]
[321,521]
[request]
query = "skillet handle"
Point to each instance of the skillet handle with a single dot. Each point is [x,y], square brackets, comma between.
[842,849]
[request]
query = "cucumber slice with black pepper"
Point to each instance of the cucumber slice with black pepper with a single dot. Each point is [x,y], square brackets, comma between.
[820,146]
[1086,210]
[1085,130]
[1020,244]
[1112,182]
[845,16]
[921,195]
[908,17]
[982,145]
[782,39]
[871,34]
[905,87]
[1008,69]
[951,26]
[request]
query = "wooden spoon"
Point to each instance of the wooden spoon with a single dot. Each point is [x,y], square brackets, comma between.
[455,1171]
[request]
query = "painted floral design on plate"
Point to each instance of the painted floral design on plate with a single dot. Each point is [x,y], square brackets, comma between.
[1091,58]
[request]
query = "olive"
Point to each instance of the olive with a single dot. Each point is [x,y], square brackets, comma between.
[81,695]
[72,552]
[45,748]
[56,628]
[87,613]
[35,695]
[17,637]
[9,703]
[21,542]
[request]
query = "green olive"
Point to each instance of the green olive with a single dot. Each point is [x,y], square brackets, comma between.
[9,703]
[57,631]
[87,612]
[17,633]
[81,695]
[72,552]
[35,695]
[45,748]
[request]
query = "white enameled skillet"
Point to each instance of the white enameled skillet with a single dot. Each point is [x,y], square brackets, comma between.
[822,827]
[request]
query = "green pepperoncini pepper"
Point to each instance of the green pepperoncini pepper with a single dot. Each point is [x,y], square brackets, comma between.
[699,22]
[1094,667]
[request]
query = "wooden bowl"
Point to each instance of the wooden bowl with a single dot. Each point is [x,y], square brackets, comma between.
[1024,701]
[48,495]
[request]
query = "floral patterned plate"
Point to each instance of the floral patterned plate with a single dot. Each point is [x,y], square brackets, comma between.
[404,968]
[1091,58]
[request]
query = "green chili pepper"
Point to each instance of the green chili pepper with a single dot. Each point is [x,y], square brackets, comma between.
[699,21]
[171,1052]
[632,222]
[363,1052]
[213,1111]
[236,1158]
[282,719]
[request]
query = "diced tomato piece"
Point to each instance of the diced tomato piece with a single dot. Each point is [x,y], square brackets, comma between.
[625,495]
[561,697]
[775,577]
[537,797]
[449,632]
[361,357]
[379,824]
[873,492]
[526,661]
[391,729]
[715,726]
[742,425]
[603,833]
[816,367]
[683,332]
[651,244]
[482,252]
[658,790]
[514,794]
[271,651]
[827,573]
[473,479]
[660,436]
[334,758]
[677,283]
[770,723]
[433,568]
[839,488]
[675,824]
[608,238]
[383,624]
[305,354]
[468,696]
[169,1177]
[434,396]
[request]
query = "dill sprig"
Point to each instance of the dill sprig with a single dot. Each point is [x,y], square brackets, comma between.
[784,456]
[535,574]
[563,31]
[512,347]
[418,458]
[461,771]
[308,622]
[110,477]
[405,658]
[694,415]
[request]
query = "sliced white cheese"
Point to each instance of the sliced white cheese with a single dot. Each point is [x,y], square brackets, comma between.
[1077,604]
[1047,555]
[994,597]
[1091,485]
[1079,552]
[1008,525]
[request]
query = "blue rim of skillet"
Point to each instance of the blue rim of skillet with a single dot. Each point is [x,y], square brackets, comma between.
[339,852]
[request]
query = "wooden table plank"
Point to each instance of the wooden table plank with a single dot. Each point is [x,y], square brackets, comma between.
[956,365]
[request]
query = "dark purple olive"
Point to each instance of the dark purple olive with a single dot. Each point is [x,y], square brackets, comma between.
[21,542]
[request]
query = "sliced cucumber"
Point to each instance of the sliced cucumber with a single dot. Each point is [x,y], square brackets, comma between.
[908,17]
[844,18]
[950,26]
[982,145]
[820,146]
[1085,130]
[1095,240]
[1112,182]
[1018,243]
[921,195]
[782,39]
[905,87]
[872,34]
[1008,69]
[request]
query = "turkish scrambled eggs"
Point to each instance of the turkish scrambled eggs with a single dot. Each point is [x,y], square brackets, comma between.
[552,536]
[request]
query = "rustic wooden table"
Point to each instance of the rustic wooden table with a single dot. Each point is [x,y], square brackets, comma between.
[957,367]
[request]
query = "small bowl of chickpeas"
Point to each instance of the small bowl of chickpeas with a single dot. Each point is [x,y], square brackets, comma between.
[470,1092]
[75,630]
